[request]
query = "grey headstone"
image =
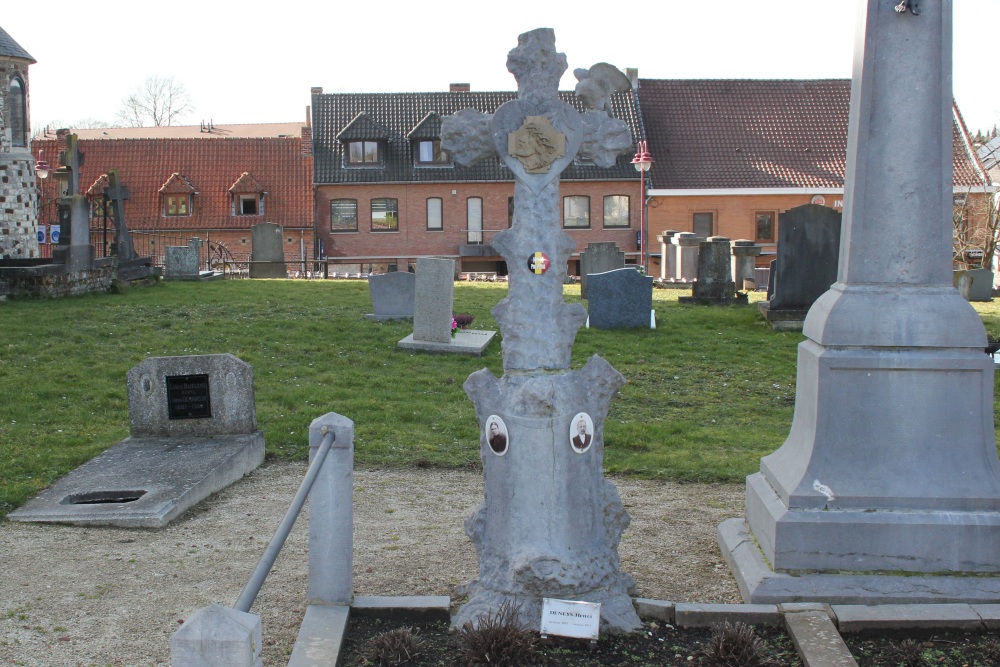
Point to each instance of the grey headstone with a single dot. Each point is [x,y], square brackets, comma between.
[267,256]
[434,300]
[620,299]
[745,255]
[598,258]
[715,270]
[808,251]
[181,262]
[201,395]
[686,245]
[392,295]
[668,255]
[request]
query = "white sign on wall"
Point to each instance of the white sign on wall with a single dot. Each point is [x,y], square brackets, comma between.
[570,618]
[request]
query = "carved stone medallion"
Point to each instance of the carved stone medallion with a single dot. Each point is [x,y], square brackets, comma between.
[536,144]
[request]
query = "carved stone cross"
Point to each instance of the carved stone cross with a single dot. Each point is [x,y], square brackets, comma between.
[550,523]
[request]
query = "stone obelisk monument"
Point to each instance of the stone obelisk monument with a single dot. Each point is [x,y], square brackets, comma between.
[550,524]
[888,486]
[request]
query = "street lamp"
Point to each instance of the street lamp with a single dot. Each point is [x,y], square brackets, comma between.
[642,162]
[42,168]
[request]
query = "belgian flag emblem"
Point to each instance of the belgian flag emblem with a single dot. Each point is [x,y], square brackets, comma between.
[538,263]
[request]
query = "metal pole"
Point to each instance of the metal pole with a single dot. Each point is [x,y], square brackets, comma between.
[253,586]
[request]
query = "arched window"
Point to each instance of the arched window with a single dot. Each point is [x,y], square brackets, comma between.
[18,113]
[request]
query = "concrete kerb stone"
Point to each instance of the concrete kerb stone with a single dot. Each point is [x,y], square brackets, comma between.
[990,613]
[661,611]
[320,637]
[687,615]
[817,640]
[855,618]
[412,607]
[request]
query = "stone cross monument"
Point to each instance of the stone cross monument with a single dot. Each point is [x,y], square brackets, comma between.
[887,489]
[550,523]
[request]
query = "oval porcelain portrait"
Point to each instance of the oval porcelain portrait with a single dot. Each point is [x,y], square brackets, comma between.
[581,432]
[496,435]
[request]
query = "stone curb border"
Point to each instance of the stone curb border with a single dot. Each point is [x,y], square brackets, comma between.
[814,627]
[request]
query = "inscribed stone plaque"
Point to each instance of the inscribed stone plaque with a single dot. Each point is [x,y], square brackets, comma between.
[598,258]
[808,254]
[267,256]
[198,395]
[434,298]
[188,397]
[392,295]
[620,299]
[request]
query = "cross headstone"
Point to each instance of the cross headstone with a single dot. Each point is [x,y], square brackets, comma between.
[550,523]
[888,486]
[74,247]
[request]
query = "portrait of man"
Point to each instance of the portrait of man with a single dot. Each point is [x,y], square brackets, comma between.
[496,434]
[582,432]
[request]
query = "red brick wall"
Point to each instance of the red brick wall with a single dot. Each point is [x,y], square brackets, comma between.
[414,239]
[735,217]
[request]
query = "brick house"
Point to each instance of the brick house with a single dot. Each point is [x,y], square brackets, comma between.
[212,182]
[731,155]
[386,194]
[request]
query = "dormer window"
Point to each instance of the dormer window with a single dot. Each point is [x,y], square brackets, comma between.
[176,205]
[362,152]
[248,195]
[429,152]
[177,195]
[247,205]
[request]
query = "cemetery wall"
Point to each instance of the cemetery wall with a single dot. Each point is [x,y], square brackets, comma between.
[238,241]
[413,239]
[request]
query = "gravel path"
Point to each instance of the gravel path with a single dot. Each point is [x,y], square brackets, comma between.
[76,597]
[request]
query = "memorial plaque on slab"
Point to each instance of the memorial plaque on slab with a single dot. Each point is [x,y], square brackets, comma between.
[188,397]
[570,618]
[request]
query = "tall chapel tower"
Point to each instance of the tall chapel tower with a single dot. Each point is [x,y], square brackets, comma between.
[18,192]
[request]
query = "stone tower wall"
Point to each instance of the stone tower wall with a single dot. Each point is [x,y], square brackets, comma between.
[18,194]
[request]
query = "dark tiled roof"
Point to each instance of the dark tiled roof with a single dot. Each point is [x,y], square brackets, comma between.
[989,153]
[363,127]
[210,167]
[404,113]
[11,49]
[428,129]
[756,134]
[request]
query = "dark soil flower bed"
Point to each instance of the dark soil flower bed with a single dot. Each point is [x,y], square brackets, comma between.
[657,645]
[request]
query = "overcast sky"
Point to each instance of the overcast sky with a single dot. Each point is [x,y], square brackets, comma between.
[255,62]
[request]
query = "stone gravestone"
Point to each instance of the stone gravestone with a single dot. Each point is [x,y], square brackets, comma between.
[433,312]
[267,256]
[392,295]
[806,265]
[715,274]
[620,299]
[598,258]
[182,262]
[550,524]
[887,489]
[193,432]
[668,261]
[745,253]
[686,247]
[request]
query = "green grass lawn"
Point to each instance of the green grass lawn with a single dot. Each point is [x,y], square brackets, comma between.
[709,392]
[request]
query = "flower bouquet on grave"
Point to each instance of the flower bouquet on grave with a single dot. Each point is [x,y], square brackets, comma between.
[454,326]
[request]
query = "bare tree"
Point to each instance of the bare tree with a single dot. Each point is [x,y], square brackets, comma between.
[158,101]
